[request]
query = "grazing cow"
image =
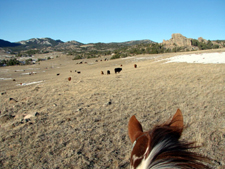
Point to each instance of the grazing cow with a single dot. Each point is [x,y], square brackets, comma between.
[118,70]
[108,72]
[69,78]
[78,72]
[102,72]
[106,59]
[135,65]
[58,74]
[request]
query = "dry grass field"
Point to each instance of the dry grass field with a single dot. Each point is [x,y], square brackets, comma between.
[47,121]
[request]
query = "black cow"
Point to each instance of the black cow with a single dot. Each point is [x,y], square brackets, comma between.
[108,72]
[118,70]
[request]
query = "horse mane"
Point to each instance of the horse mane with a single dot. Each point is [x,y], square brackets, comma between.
[161,147]
[166,151]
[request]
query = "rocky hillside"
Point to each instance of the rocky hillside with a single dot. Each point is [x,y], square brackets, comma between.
[34,43]
[178,40]
[40,42]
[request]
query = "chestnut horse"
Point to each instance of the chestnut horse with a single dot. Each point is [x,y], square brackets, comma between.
[161,148]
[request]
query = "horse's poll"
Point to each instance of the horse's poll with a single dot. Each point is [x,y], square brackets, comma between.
[161,148]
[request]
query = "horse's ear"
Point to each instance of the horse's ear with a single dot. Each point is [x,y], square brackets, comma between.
[177,120]
[134,129]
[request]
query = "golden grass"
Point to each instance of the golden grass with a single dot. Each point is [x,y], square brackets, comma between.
[82,123]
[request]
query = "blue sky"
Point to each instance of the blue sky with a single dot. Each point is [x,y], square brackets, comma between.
[91,21]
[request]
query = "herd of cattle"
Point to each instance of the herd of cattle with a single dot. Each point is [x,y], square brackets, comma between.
[95,61]
[116,70]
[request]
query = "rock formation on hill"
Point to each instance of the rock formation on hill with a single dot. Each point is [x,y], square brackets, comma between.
[200,39]
[177,40]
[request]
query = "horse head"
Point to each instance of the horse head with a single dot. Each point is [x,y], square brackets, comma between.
[160,147]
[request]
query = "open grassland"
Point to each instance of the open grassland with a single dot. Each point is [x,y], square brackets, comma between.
[82,123]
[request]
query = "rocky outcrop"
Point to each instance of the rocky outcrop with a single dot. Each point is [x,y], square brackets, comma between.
[200,39]
[41,42]
[177,40]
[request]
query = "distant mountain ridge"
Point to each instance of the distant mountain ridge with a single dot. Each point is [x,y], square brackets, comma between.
[43,43]
[52,42]
[4,43]
[133,42]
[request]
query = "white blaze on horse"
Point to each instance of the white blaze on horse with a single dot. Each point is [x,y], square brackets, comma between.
[160,147]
